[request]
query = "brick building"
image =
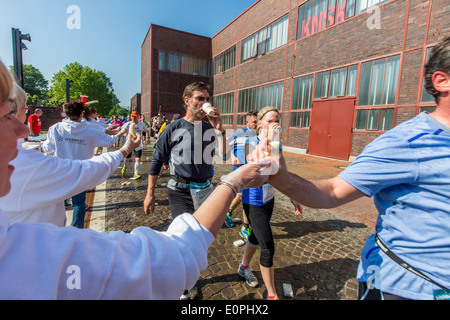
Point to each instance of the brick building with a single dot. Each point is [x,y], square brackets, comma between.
[170,60]
[341,72]
[135,103]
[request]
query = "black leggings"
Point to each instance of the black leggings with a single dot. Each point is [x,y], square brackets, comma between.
[259,218]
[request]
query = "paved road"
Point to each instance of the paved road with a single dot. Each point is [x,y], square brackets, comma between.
[317,253]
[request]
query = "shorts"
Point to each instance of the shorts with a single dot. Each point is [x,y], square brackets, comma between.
[180,201]
[137,154]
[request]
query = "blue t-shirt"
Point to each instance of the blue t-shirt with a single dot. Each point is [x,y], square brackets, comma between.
[407,170]
[256,196]
[237,142]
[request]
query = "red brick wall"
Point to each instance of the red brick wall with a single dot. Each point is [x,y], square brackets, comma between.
[407,27]
[163,88]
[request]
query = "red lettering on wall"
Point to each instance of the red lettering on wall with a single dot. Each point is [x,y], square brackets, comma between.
[340,13]
[325,18]
[314,24]
[330,15]
[305,27]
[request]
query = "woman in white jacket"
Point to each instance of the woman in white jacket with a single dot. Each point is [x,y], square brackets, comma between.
[59,179]
[42,261]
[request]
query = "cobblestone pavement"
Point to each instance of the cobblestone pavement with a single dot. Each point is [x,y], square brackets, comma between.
[317,253]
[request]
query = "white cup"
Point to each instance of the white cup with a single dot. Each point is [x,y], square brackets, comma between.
[208,108]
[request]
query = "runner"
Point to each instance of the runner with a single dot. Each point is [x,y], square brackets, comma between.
[258,205]
[188,146]
[237,144]
[139,128]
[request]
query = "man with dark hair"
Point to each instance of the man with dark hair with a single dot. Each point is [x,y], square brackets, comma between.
[184,145]
[407,171]
[75,139]
[440,61]
[188,145]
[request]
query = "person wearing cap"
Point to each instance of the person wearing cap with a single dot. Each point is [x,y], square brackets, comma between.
[139,128]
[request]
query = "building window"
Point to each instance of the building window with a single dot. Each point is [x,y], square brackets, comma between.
[224,103]
[375,119]
[426,97]
[169,61]
[377,87]
[195,66]
[336,83]
[265,40]
[227,119]
[176,62]
[300,119]
[224,61]
[259,97]
[302,92]
[378,81]
[241,119]
[427,109]
[363,5]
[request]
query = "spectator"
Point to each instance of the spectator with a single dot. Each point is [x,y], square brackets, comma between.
[75,139]
[42,261]
[34,123]
[58,178]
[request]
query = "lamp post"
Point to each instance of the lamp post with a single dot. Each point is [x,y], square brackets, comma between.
[68,85]
[18,46]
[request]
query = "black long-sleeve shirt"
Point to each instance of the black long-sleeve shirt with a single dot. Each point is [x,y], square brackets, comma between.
[188,149]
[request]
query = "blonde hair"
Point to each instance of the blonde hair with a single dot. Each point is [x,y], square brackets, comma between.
[6,84]
[263,112]
[20,100]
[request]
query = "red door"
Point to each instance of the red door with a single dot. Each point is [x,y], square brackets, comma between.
[331,128]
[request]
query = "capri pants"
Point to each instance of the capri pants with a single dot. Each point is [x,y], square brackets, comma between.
[259,218]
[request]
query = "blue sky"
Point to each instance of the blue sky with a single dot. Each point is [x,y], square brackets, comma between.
[110,35]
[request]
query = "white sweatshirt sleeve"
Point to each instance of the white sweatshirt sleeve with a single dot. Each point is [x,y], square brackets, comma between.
[41,261]
[102,139]
[39,180]
[48,145]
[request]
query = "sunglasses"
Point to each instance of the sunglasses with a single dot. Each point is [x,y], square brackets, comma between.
[201,99]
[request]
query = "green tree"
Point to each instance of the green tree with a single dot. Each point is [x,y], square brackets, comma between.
[85,81]
[35,84]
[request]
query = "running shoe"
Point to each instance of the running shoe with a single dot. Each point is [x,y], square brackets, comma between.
[273,298]
[229,221]
[248,275]
[186,295]
[244,233]
[124,169]
[137,176]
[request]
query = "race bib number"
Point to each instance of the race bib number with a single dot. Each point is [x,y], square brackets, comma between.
[199,192]
[441,295]
[268,192]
